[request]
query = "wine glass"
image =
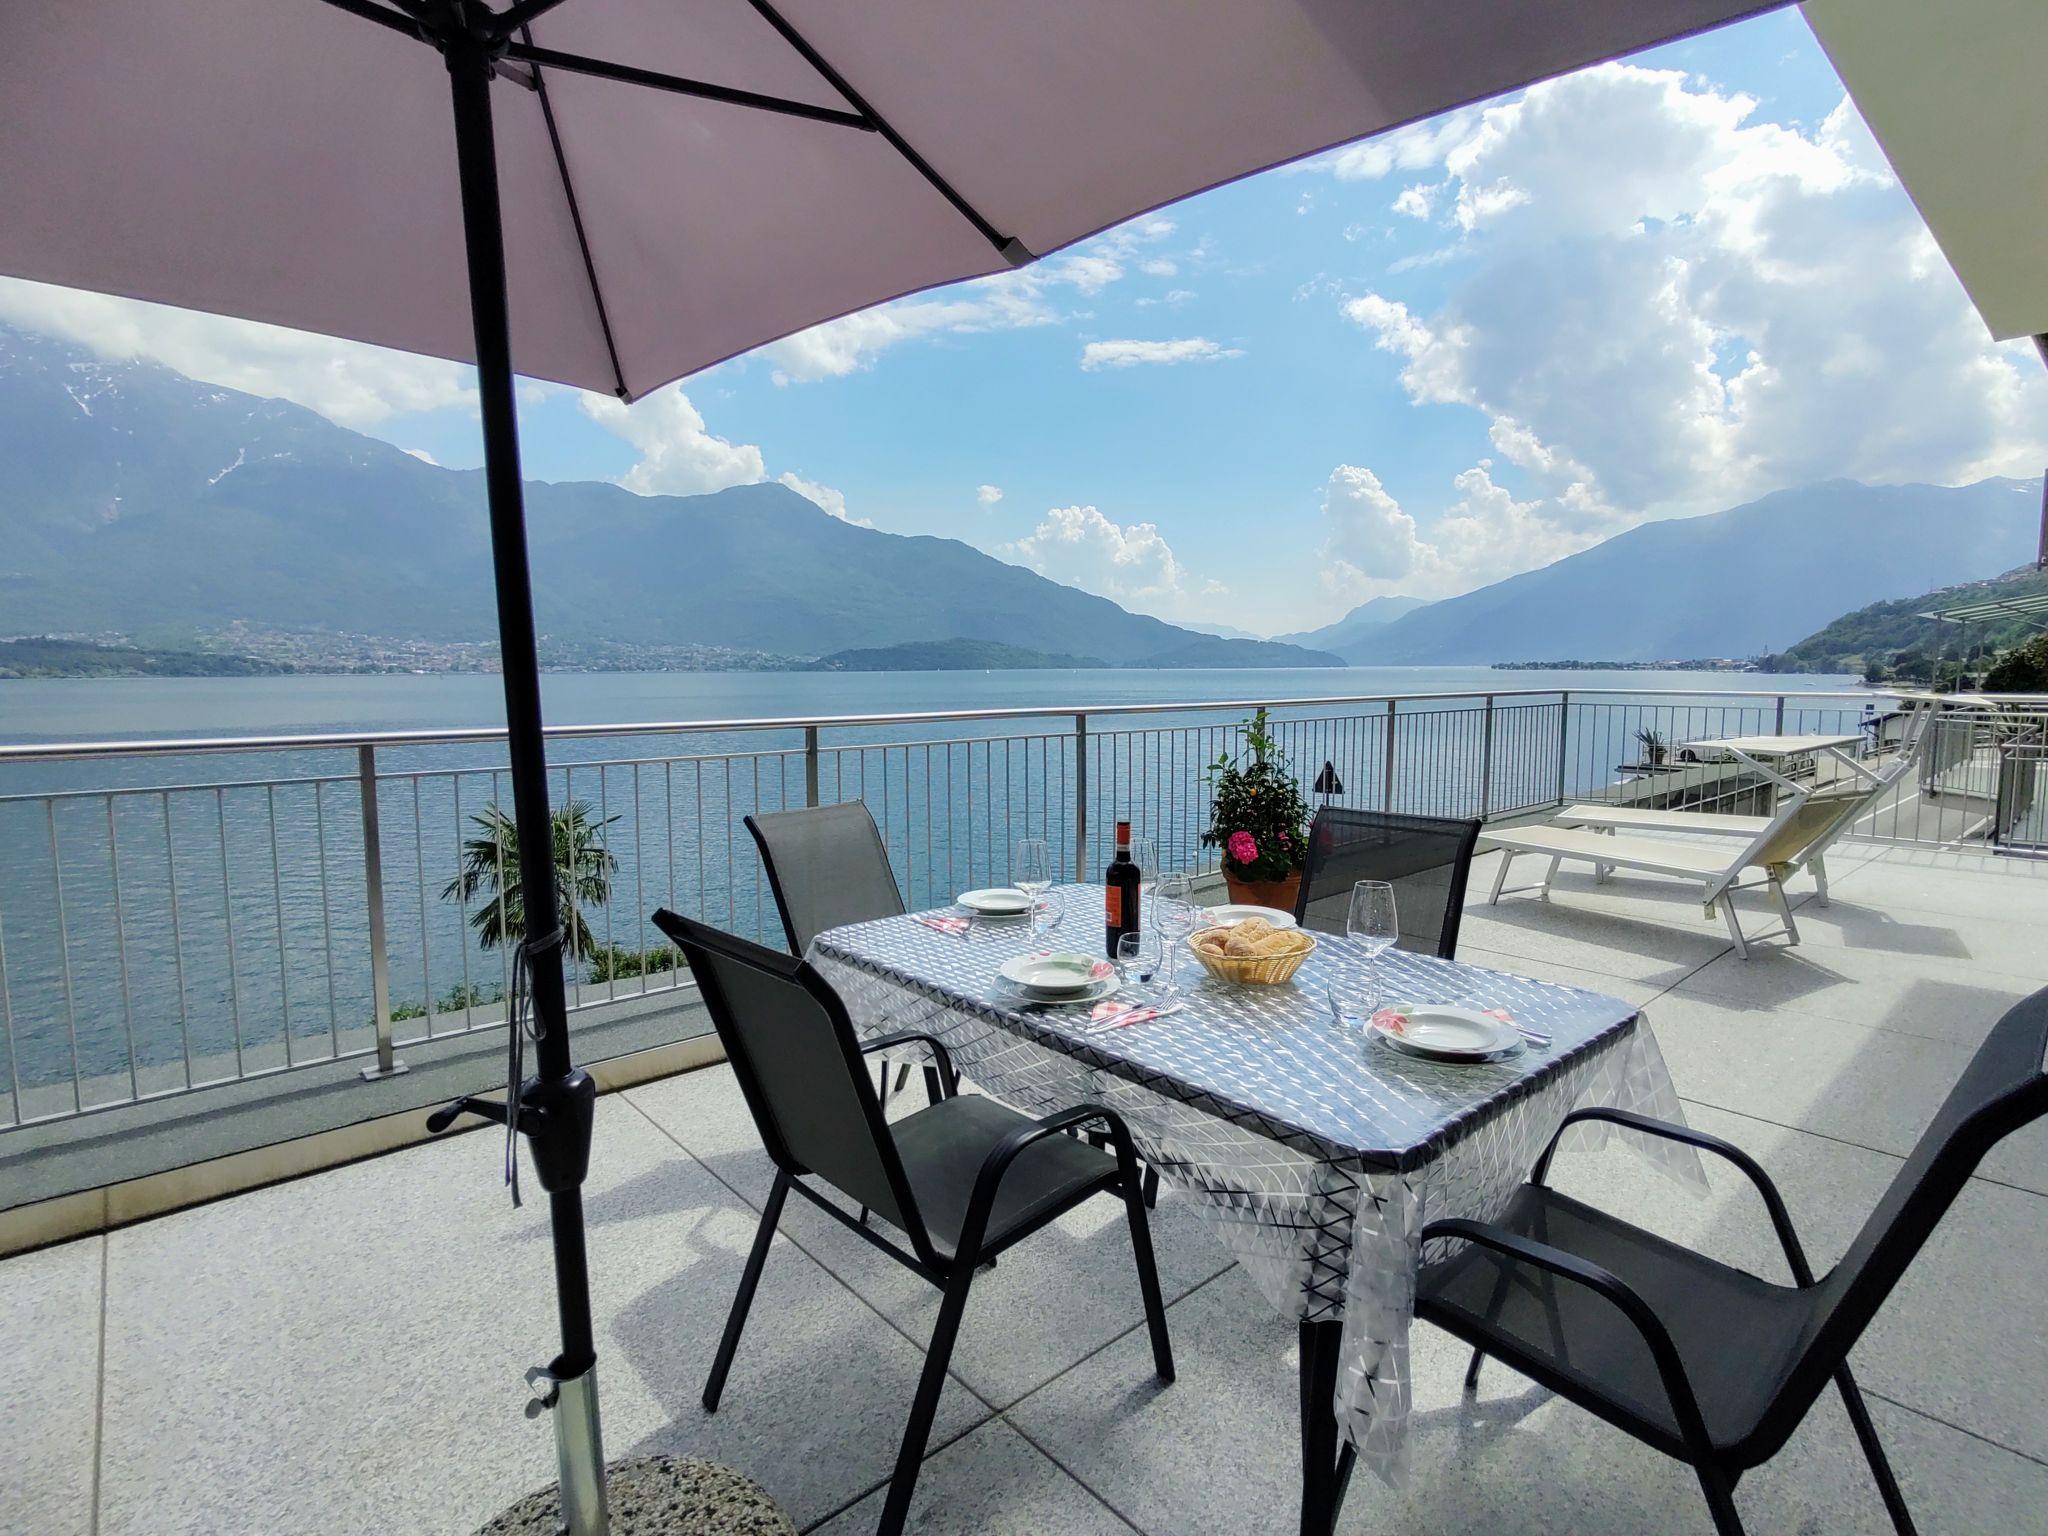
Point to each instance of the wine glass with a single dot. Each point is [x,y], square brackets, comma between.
[1031,873]
[1145,854]
[1137,956]
[1176,914]
[1373,923]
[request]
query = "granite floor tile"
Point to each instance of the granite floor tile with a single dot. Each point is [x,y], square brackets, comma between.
[49,1413]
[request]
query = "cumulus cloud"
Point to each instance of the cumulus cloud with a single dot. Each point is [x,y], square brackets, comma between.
[345,381]
[1665,304]
[679,455]
[1372,546]
[1130,354]
[988,495]
[1006,301]
[1670,305]
[832,501]
[1131,564]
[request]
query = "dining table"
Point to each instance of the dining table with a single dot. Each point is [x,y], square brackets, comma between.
[1314,1150]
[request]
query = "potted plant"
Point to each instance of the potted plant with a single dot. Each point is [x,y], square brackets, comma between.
[1258,818]
[1655,748]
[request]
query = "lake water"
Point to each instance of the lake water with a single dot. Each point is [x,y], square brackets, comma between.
[165,910]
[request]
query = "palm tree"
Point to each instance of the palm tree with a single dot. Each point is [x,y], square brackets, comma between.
[490,864]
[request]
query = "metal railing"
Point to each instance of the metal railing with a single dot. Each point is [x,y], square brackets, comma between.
[183,913]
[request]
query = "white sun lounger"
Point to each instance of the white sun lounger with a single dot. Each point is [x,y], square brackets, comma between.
[1867,787]
[1785,842]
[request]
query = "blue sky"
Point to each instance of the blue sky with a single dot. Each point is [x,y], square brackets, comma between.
[1415,365]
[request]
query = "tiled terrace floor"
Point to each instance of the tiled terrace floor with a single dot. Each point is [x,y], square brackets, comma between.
[342,1354]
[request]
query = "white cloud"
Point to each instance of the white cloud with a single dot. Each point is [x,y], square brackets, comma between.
[423,456]
[988,495]
[1132,564]
[1129,354]
[679,456]
[1668,305]
[1415,201]
[832,501]
[1005,301]
[1159,267]
[345,381]
[1372,546]
[1414,148]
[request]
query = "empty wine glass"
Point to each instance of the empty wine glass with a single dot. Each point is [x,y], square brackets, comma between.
[1176,914]
[1373,923]
[1145,854]
[1031,873]
[1137,957]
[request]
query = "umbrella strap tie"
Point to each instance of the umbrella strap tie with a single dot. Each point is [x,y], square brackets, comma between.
[520,1022]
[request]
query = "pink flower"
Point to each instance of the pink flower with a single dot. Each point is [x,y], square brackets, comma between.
[1243,848]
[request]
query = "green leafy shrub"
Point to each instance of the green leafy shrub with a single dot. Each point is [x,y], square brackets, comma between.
[615,962]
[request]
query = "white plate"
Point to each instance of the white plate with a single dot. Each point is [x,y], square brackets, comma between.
[1238,913]
[1449,1034]
[1061,974]
[996,901]
[1094,992]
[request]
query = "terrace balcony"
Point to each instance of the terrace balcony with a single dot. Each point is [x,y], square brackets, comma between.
[340,1351]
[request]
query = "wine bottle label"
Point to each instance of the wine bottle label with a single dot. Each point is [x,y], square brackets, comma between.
[1115,903]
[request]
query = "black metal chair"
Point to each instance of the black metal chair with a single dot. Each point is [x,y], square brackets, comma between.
[1705,1362]
[826,867]
[962,1179]
[1425,858]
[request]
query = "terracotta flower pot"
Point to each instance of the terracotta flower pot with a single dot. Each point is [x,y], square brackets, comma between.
[1264,893]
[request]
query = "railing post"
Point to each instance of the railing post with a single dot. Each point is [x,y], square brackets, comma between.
[810,765]
[1564,727]
[1080,795]
[1778,726]
[1486,761]
[1387,779]
[387,1064]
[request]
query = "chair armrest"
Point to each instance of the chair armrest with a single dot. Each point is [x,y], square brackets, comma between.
[944,1057]
[1012,1146]
[1774,1203]
[1604,1283]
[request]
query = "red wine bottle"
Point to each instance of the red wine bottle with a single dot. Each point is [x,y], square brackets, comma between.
[1121,890]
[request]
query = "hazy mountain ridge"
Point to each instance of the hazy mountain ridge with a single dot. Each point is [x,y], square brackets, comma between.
[1369,616]
[1744,582]
[147,503]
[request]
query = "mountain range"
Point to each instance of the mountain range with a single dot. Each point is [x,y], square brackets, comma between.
[1360,624]
[1744,582]
[145,503]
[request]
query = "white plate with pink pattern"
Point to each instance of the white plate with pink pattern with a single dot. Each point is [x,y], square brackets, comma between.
[1444,1033]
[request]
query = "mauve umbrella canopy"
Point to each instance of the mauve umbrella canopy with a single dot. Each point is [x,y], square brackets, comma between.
[285,161]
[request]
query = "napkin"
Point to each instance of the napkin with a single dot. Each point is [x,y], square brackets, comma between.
[948,924]
[1395,1022]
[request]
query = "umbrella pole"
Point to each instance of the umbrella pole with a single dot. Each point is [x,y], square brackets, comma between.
[557,1104]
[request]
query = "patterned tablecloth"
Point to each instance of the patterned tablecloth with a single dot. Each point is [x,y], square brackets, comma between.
[1317,1155]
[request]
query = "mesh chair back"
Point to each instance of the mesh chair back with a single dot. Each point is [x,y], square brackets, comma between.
[827,866]
[2002,1090]
[1425,858]
[792,1047]
[1819,819]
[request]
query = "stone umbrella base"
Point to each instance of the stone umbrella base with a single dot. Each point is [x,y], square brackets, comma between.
[659,1496]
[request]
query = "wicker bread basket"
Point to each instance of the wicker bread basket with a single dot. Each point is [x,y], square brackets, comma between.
[1255,970]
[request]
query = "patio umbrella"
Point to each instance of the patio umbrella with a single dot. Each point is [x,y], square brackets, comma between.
[640,188]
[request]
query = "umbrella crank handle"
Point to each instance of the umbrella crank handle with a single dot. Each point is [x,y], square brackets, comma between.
[555,1117]
[455,1109]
